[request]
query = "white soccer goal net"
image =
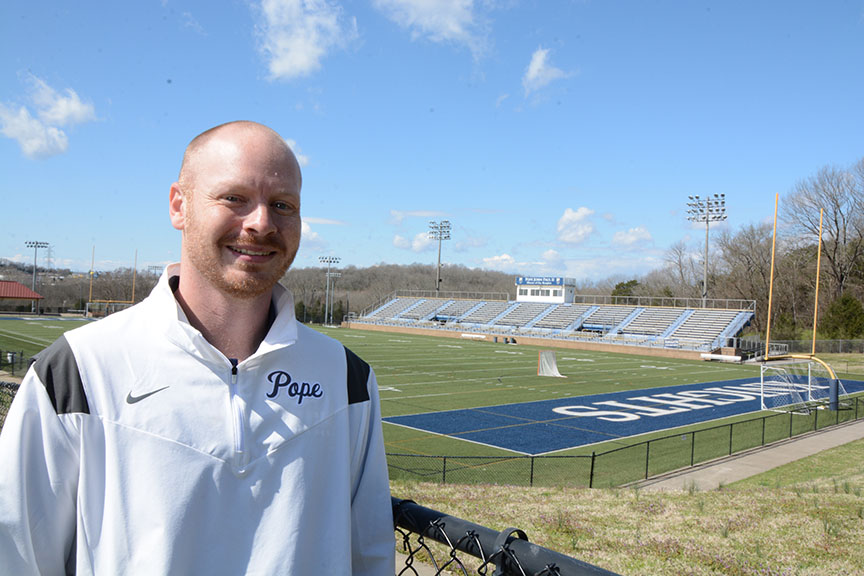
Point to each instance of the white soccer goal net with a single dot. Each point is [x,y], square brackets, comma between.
[797,386]
[547,364]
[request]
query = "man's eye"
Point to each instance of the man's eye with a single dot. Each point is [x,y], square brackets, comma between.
[282,206]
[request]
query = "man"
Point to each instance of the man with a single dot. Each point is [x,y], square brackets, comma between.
[203,431]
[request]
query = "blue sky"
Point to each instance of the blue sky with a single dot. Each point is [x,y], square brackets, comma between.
[558,137]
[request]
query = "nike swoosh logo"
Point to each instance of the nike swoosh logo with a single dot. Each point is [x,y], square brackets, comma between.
[130,399]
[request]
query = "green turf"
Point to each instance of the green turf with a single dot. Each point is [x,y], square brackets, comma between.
[425,374]
[33,335]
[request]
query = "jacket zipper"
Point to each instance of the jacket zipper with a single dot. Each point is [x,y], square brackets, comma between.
[237,411]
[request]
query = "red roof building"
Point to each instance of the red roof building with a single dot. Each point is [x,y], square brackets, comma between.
[16,290]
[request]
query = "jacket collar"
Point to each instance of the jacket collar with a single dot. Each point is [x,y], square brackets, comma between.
[173,323]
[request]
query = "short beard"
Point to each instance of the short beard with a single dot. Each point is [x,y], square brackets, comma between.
[207,260]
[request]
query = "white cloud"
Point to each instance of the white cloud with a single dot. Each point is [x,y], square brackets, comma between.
[302,159]
[310,240]
[540,73]
[190,22]
[35,138]
[41,136]
[325,221]
[575,227]
[468,243]
[296,35]
[419,243]
[551,256]
[437,20]
[632,236]
[58,109]
[501,262]
[397,216]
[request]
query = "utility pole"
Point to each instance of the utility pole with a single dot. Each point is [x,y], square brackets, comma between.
[439,231]
[710,209]
[34,305]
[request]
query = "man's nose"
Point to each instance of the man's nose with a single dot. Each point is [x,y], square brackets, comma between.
[260,220]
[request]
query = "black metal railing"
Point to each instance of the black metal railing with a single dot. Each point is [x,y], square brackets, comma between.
[468,548]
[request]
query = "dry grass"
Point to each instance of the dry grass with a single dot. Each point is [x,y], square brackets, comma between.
[810,527]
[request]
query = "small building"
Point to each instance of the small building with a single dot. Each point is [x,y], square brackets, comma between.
[16,291]
[551,289]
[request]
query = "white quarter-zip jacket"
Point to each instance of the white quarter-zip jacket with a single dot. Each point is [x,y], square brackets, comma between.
[133,446]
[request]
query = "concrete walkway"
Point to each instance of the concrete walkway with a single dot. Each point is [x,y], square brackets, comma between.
[712,475]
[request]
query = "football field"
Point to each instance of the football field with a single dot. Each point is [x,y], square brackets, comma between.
[436,379]
[455,397]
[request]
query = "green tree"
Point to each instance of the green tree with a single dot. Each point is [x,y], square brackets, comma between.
[844,318]
[625,288]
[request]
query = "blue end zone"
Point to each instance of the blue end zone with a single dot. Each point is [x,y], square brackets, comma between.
[552,425]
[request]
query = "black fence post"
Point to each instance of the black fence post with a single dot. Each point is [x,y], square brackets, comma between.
[790,424]
[444,471]
[591,473]
[531,480]
[692,448]
[764,418]
[731,434]
[647,457]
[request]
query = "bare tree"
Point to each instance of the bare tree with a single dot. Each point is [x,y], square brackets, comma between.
[746,264]
[840,194]
[679,260]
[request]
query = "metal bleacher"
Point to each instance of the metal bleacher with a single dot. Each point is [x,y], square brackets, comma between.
[704,325]
[393,308]
[654,324]
[457,308]
[423,309]
[486,313]
[653,321]
[522,314]
[562,316]
[607,317]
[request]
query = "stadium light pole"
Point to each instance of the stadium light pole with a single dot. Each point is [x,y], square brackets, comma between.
[439,231]
[34,305]
[710,209]
[328,260]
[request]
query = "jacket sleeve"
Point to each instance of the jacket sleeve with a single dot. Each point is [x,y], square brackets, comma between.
[38,484]
[373,541]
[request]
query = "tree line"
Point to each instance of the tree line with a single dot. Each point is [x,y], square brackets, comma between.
[739,263]
[739,267]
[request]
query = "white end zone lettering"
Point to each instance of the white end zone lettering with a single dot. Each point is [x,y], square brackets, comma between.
[594,413]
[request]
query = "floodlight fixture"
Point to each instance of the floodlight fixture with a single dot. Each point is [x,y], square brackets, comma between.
[709,209]
[439,231]
[328,308]
[35,244]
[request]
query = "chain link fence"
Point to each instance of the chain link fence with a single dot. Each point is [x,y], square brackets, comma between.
[14,362]
[460,542]
[7,393]
[627,464]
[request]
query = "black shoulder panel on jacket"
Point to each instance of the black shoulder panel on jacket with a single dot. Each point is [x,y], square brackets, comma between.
[358,376]
[58,370]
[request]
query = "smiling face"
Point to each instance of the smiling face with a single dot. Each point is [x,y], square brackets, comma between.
[238,205]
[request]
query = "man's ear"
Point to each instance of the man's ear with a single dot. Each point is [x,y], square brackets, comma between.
[177,206]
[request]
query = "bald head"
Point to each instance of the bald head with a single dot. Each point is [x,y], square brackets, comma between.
[238,131]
